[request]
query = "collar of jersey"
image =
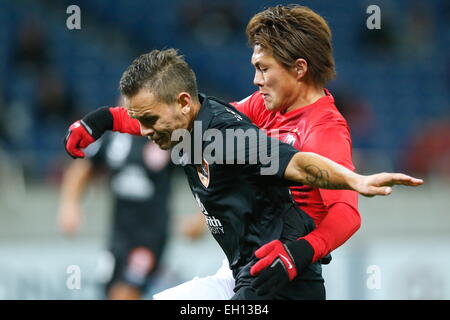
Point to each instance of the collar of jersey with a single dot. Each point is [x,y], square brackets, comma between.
[204,115]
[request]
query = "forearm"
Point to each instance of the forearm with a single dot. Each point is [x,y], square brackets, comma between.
[341,222]
[319,172]
[75,180]
[123,122]
[112,119]
[84,132]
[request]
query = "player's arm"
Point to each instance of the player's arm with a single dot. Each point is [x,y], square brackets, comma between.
[340,223]
[342,219]
[304,167]
[319,172]
[87,130]
[280,262]
[193,227]
[75,180]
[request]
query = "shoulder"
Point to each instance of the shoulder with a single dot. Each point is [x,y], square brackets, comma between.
[325,118]
[225,114]
[252,100]
[326,128]
[327,112]
[328,120]
[253,106]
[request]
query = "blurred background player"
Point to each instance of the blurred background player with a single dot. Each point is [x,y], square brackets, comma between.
[139,178]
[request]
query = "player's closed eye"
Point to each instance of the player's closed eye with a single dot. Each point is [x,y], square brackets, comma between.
[262,69]
[148,120]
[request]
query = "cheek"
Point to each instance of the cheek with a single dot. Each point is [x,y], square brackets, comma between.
[167,125]
[273,81]
[170,121]
[282,87]
[160,125]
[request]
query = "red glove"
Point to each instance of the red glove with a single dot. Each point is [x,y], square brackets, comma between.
[77,138]
[271,253]
[279,263]
[84,132]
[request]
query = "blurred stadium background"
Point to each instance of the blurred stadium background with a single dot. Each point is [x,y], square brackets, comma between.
[393,86]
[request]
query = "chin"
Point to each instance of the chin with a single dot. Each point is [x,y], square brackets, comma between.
[167,145]
[271,106]
[268,105]
[164,146]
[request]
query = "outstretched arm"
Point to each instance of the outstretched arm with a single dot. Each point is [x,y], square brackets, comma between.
[85,131]
[280,262]
[319,172]
[74,183]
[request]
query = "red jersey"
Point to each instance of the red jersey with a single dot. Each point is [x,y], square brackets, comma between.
[318,128]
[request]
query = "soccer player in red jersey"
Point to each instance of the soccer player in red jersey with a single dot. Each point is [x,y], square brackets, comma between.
[316,127]
[293,60]
[292,56]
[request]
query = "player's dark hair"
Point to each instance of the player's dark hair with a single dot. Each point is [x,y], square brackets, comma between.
[292,32]
[164,72]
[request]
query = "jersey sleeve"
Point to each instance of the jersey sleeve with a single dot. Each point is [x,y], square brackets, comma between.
[341,222]
[123,123]
[343,218]
[250,106]
[338,147]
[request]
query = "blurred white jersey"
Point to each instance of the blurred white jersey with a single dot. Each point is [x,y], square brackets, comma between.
[216,287]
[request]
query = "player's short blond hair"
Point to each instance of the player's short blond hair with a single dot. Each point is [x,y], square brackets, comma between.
[293,32]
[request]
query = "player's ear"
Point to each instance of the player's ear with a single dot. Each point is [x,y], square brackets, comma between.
[184,100]
[301,67]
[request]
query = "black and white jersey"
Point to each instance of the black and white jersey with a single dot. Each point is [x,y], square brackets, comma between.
[244,198]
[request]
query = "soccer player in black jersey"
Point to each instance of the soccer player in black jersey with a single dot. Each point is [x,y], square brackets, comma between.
[237,174]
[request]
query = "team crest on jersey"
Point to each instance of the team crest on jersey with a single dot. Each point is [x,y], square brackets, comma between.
[203,173]
[290,139]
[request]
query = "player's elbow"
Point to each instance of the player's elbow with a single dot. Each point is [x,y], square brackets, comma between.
[350,215]
[294,171]
[355,221]
[357,224]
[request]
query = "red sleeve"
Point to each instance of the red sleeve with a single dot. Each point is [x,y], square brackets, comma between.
[250,106]
[123,122]
[341,222]
[343,219]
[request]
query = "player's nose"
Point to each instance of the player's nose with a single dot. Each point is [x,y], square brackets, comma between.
[147,131]
[258,79]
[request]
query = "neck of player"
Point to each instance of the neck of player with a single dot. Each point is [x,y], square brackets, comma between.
[195,109]
[307,95]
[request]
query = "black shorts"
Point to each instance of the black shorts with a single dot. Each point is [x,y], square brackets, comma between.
[137,249]
[308,285]
[304,290]
[134,264]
